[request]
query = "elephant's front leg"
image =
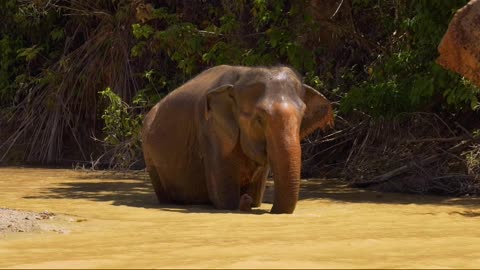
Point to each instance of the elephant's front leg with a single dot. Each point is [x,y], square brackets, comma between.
[223,191]
[223,182]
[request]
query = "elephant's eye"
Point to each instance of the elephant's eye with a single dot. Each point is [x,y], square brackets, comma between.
[258,120]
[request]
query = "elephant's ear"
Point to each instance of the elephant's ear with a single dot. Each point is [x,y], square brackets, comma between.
[318,114]
[220,104]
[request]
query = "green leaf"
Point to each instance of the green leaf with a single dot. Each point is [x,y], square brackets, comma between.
[29,53]
[57,34]
[142,31]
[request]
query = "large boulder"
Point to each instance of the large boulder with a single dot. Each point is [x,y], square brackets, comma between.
[460,47]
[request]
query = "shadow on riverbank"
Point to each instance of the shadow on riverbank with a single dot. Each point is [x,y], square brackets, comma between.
[134,189]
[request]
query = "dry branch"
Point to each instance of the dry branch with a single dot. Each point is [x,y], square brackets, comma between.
[63,111]
[405,168]
[421,153]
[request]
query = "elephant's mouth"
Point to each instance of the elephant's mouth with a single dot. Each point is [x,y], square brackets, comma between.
[256,151]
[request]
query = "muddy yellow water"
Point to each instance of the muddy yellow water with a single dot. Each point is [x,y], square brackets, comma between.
[333,227]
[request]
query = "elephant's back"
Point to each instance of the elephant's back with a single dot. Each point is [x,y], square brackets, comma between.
[171,143]
[179,112]
[169,131]
[171,135]
[171,146]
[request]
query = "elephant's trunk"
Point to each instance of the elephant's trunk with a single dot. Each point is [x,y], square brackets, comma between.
[284,154]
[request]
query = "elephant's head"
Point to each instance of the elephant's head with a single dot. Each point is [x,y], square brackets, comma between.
[268,112]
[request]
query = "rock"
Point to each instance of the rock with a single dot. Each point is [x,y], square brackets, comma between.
[16,221]
[460,47]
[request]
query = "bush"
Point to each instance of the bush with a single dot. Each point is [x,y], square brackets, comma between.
[376,56]
[405,77]
[247,33]
[122,130]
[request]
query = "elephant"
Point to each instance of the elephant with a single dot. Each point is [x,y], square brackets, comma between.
[215,138]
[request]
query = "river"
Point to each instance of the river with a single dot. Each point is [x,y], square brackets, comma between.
[118,224]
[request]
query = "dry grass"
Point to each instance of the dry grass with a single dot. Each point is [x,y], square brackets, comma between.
[421,153]
[62,109]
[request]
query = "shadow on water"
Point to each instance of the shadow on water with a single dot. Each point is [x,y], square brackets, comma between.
[135,190]
[135,193]
[339,191]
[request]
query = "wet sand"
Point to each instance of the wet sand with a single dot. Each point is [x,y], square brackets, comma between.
[120,225]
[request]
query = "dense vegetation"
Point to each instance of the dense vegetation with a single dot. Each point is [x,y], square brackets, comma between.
[77,76]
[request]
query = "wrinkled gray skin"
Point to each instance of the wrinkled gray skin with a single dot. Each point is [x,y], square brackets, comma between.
[214,139]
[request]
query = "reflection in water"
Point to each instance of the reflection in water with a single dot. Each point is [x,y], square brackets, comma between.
[333,227]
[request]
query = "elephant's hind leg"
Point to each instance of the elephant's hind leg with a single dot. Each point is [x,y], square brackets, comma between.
[160,191]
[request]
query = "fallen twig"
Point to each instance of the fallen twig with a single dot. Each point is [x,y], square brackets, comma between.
[402,169]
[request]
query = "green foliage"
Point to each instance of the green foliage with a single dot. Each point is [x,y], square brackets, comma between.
[29,54]
[29,41]
[384,62]
[258,32]
[406,78]
[142,31]
[122,129]
[120,122]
